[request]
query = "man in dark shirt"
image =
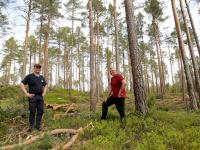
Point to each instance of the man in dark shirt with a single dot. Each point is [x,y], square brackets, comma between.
[116,96]
[37,90]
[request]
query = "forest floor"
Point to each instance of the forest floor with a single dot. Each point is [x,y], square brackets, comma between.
[167,126]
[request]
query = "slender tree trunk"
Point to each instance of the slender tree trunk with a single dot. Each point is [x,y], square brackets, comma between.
[156,77]
[40,37]
[9,72]
[193,27]
[190,86]
[79,67]
[83,76]
[159,62]
[71,53]
[65,66]
[140,96]
[162,65]
[171,65]
[92,66]
[181,75]
[30,58]
[46,50]
[97,60]
[152,78]
[116,37]
[194,61]
[147,78]
[108,57]
[130,73]
[58,63]
[26,39]
[51,77]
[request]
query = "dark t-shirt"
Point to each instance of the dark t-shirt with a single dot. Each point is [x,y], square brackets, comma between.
[116,83]
[36,83]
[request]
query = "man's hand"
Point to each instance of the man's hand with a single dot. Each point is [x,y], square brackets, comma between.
[30,95]
[44,91]
[119,94]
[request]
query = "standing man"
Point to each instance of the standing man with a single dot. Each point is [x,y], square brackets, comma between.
[117,95]
[37,90]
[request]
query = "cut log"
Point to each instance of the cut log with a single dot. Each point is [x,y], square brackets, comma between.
[73,139]
[57,106]
[53,132]
[71,108]
[34,138]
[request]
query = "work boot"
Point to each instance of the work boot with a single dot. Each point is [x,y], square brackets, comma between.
[30,129]
[39,128]
[123,123]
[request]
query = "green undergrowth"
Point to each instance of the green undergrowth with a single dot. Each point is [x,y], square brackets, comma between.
[167,126]
[60,96]
[158,130]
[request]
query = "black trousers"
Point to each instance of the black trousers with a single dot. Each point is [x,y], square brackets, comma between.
[36,105]
[119,103]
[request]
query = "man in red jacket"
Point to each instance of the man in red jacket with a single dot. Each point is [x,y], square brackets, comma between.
[117,95]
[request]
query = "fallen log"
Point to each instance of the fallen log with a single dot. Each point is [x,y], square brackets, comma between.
[34,138]
[57,106]
[74,138]
[71,108]
[53,132]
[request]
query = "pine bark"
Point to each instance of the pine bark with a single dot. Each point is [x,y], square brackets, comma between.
[26,39]
[190,86]
[139,92]
[92,61]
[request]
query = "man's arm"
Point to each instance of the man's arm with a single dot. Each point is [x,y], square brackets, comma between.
[122,87]
[24,90]
[110,93]
[44,91]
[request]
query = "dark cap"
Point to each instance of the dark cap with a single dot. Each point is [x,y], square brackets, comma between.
[37,65]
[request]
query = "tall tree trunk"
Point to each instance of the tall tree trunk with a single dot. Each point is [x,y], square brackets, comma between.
[83,76]
[116,37]
[130,73]
[40,37]
[65,66]
[156,77]
[159,60]
[190,86]
[58,63]
[79,66]
[9,72]
[51,77]
[71,53]
[30,61]
[152,78]
[181,75]
[108,64]
[194,61]
[172,74]
[46,50]
[193,27]
[97,76]
[162,64]
[26,39]
[92,64]
[140,96]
